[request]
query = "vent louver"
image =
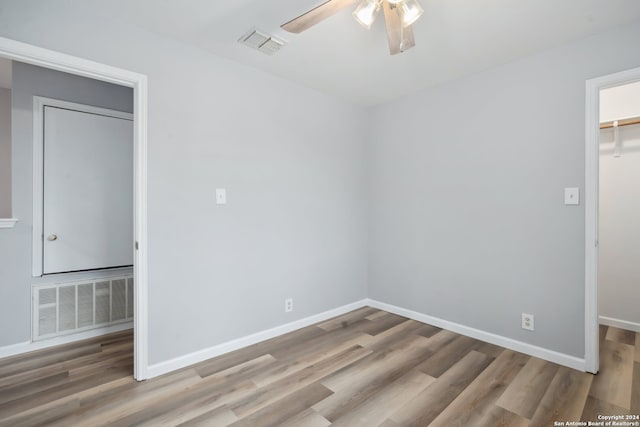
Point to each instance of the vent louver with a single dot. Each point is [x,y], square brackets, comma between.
[64,308]
[262,41]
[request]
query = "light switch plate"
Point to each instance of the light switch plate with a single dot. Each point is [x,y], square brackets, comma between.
[221,196]
[572,196]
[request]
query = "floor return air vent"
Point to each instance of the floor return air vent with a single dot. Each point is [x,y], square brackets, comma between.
[64,308]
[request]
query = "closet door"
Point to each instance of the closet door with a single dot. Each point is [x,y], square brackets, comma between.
[88,191]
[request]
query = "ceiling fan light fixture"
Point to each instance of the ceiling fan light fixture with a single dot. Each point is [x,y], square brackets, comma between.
[366,12]
[410,11]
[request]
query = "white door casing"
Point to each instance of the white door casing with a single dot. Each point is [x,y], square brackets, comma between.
[87,188]
[30,54]
[592,154]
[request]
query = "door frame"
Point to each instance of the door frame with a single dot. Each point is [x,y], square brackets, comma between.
[592,155]
[30,54]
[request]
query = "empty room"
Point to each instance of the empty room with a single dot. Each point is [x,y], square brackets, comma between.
[319,212]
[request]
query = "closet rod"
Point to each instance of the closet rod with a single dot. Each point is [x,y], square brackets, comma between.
[625,122]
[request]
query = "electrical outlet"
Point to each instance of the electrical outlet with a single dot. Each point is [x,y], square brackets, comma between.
[527,321]
[288,305]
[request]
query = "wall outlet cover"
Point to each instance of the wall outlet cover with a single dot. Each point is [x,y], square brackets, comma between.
[528,321]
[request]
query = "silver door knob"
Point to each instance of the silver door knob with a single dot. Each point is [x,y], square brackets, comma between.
[52,238]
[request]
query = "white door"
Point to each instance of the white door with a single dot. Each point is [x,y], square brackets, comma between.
[88,191]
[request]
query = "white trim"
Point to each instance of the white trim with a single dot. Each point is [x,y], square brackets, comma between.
[27,346]
[217,350]
[37,234]
[39,102]
[591,336]
[207,353]
[618,323]
[85,108]
[30,54]
[140,261]
[8,222]
[522,347]
[592,134]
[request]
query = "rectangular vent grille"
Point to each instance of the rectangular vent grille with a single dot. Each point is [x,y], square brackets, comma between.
[63,308]
[262,41]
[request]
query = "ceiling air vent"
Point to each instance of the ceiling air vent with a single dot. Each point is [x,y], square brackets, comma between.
[261,41]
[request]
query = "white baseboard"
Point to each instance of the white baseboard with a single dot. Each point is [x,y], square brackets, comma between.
[226,347]
[27,346]
[617,323]
[522,347]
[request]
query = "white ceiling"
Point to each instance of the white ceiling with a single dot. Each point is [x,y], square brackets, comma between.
[337,56]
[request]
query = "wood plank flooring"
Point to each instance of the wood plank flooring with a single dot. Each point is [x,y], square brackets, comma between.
[365,368]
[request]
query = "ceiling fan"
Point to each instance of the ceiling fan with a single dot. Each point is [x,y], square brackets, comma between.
[399,15]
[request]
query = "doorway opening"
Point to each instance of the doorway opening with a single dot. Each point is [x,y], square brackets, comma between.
[51,60]
[607,201]
[619,212]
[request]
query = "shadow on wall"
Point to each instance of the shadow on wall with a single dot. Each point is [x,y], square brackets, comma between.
[5,152]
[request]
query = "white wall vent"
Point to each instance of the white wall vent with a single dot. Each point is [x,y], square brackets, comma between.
[262,41]
[63,308]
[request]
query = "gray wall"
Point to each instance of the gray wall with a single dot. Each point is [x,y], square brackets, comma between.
[5,153]
[465,189]
[291,159]
[466,194]
[15,244]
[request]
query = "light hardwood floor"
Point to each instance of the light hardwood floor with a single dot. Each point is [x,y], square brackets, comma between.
[365,368]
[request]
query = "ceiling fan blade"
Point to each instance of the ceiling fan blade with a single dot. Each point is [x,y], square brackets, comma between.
[400,39]
[315,15]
